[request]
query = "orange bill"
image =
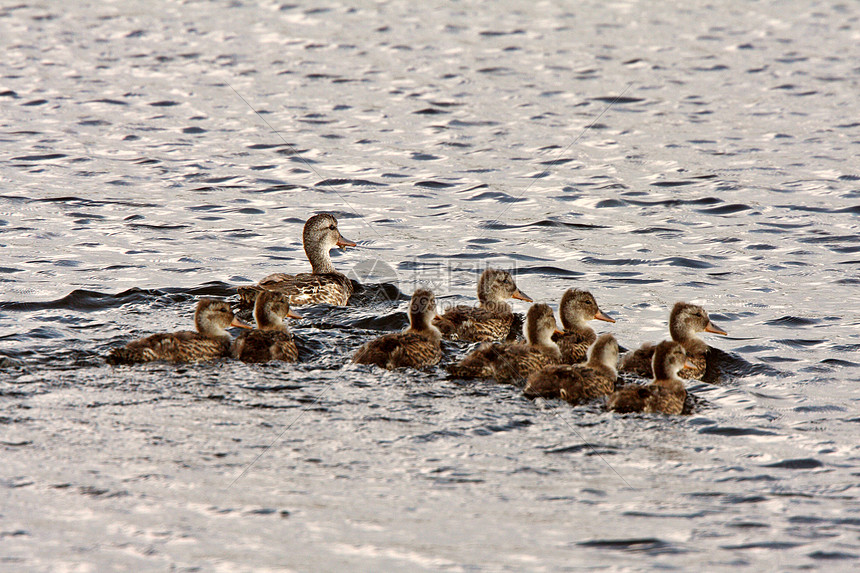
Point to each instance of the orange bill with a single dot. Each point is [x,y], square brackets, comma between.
[240,323]
[292,314]
[714,329]
[343,242]
[520,295]
[688,365]
[601,316]
[559,332]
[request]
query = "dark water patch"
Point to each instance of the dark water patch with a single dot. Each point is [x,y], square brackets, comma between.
[430,184]
[673,202]
[351,182]
[35,102]
[585,448]
[164,103]
[733,431]
[548,270]
[497,428]
[685,262]
[617,100]
[792,321]
[610,203]
[838,362]
[796,464]
[832,555]
[496,225]
[673,183]
[496,196]
[612,262]
[635,545]
[799,342]
[725,209]
[431,111]
[764,545]
[45,157]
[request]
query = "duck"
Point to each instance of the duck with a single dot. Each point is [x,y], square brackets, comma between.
[418,346]
[492,318]
[577,307]
[211,340]
[511,362]
[577,383]
[666,394]
[685,321]
[271,340]
[324,284]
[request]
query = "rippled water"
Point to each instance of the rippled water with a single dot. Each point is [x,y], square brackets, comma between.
[646,153]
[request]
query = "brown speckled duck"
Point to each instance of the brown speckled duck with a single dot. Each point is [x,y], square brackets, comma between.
[580,382]
[685,321]
[492,318]
[271,340]
[576,309]
[665,394]
[416,347]
[211,341]
[513,362]
[323,284]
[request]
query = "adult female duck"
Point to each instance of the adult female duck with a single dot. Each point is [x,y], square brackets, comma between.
[324,284]
[492,318]
[211,341]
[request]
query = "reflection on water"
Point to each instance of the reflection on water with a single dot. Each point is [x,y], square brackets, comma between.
[136,181]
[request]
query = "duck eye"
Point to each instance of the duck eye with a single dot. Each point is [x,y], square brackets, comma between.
[332,227]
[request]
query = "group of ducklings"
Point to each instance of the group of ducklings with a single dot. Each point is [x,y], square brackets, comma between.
[573,364]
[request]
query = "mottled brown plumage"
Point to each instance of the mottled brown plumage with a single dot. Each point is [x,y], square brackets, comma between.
[211,341]
[577,307]
[324,284]
[666,394]
[417,347]
[512,362]
[685,321]
[581,382]
[491,319]
[271,340]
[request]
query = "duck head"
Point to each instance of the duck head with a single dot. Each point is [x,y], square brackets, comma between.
[578,307]
[422,310]
[321,235]
[540,325]
[686,320]
[669,357]
[496,286]
[213,318]
[270,310]
[605,351]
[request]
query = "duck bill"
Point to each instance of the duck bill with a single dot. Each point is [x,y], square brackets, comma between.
[601,316]
[520,295]
[714,329]
[343,242]
[688,365]
[238,322]
[292,314]
[559,332]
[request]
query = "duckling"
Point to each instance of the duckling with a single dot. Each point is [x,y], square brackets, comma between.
[211,341]
[271,340]
[416,347]
[577,383]
[685,321]
[665,394]
[323,284]
[576,309]
[492,318]
[512,362]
